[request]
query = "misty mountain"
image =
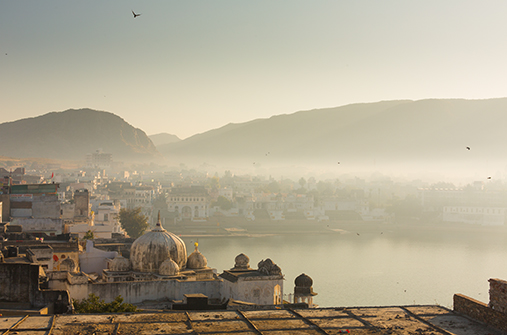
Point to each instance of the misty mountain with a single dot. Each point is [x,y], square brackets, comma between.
[73,134]
[387,132]
[163,138]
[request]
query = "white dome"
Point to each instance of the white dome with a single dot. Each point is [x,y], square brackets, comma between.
[150,250]
[242,262]
[196,260]
[169,268]
[119,263]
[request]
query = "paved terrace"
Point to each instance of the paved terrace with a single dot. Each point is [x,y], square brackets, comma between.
[419,320]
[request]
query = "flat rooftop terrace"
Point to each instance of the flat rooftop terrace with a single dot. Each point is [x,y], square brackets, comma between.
[419,320]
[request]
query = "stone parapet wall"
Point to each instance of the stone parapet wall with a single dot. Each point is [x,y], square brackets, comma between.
[480,311]
[498,295]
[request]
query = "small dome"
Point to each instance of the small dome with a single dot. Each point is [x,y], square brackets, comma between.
[303,280]
[120,263]
[69,265]
[242,262]
[168,268]
[268,267]
[196,260]
[154,247]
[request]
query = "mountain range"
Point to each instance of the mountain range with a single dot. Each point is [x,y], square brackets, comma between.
[436,131]
[163,138]
[73,134]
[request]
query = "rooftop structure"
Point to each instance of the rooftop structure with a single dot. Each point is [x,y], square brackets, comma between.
[400,320]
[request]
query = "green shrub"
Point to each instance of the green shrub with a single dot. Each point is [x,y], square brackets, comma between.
[93,304]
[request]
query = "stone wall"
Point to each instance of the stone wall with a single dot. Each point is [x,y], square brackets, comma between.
[19,283]
[498,295]
[480,311]
[138,291]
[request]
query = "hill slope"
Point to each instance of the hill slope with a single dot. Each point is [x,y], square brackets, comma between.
[163,138]
[73,134]
[389,131]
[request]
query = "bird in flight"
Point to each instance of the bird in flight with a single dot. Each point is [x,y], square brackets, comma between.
[468,148]
[489,177]
[135,15]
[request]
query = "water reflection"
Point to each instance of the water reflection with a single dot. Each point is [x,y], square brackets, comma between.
[394,267]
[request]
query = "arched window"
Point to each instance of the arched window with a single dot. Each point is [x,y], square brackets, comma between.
[277,295]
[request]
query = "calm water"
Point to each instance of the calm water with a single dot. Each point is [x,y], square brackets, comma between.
[396,267]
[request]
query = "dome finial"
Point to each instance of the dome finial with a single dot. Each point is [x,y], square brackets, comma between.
[158,226]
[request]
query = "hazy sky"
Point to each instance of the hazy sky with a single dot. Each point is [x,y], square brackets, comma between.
[185,67]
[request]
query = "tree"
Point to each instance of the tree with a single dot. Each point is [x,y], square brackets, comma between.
[161,201]
[214,183]
[274,187]
[302,182]
[89,235]
[93,304]
[408,208]
[222,202]
[133,221]
[325,188]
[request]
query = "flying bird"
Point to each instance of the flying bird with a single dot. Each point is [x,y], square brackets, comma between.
[489,177]
[468,148]
[135,15]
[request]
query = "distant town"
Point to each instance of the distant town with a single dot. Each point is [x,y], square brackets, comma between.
[49,201]
[66,247]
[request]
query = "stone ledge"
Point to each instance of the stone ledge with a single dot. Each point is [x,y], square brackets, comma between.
[480,311]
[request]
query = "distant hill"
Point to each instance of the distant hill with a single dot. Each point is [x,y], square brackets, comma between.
[163,138]
[434,130]
[73,134]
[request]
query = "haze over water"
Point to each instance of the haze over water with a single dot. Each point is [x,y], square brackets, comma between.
[390,267]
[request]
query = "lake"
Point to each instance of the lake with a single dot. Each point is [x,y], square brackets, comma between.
[391,266]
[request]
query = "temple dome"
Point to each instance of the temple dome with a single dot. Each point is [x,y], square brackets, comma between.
[303,286]
[241,262]
[169,268]
[150,250]
[120,263]
[196,260]
[303,280]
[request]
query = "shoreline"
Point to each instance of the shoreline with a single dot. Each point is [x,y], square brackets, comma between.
[253,229]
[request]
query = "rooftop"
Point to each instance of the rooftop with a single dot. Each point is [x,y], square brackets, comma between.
[355,320]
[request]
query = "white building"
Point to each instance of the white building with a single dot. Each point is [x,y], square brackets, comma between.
[263,286]
[107,215]
[189,203]
[159,268]
[486,216]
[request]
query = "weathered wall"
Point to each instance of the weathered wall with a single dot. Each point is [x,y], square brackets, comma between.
[82,203]
[259,291]
[480,311]
[17,282]
[6,207]
[498,294]
[38,206]
[94,260]
[39,224]
[135,292]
